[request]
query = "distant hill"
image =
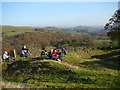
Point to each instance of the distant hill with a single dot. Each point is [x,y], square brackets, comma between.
[81,30]
[89,28]
[16,30]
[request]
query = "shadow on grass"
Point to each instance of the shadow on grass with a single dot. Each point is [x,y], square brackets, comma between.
[16,67]
[37,59]
[113,57]
[110,60]
[21,67]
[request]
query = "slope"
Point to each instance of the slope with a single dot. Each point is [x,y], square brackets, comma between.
[76,71]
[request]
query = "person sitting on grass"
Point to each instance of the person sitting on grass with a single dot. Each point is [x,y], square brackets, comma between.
[56,56]
[6,57]
[24,52]
[59,52]
[50,56]
[44,53]
[63,51]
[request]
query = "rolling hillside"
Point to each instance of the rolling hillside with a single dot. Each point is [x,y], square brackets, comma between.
[89,63]
[78,70]
[82,30]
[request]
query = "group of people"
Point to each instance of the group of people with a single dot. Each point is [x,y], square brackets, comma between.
[52,54]
[7,57]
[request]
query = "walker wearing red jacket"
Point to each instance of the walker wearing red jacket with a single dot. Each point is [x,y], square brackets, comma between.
[54,52]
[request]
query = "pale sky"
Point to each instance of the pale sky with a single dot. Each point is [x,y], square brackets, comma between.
[57,13]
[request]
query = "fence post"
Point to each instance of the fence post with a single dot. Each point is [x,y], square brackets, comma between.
[14,53]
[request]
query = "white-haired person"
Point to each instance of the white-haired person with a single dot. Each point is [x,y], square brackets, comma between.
[6,57]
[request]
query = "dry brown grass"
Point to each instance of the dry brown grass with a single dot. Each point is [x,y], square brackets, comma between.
[12,85]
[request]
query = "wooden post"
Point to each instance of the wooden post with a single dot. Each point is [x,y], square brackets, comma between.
[14,53]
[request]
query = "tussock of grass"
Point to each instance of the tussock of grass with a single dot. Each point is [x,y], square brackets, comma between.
[13,85]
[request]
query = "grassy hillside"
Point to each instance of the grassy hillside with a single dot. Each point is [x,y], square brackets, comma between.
[15,30]
[84,66]
[94,69]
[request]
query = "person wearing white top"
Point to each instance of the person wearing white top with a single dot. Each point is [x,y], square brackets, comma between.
[5,56]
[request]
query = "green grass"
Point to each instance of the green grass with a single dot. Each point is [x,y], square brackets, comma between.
[78,70]
[16,30]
